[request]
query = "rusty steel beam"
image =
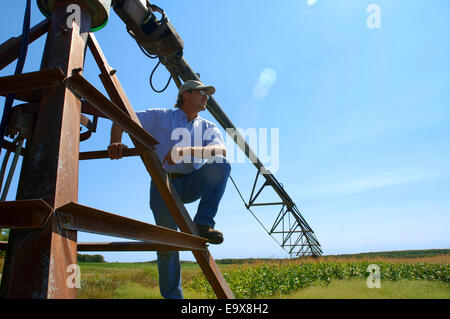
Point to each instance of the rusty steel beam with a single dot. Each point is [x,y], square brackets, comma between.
[89,109]
[23,214]
[108,76]
[126,246]
[31,81]
[77,217]
[36,260]
[27,96]
[104,154]
[82,88]
[159,176]
[9,50]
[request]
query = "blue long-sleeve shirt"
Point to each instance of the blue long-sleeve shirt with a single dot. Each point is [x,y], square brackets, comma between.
[170,127]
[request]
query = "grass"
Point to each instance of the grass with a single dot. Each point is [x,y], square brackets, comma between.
[357,289]
[127,280]
[112,280]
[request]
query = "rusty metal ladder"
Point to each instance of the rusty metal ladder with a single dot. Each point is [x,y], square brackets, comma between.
[45,218]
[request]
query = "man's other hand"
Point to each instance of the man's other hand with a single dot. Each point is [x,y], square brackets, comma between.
[115,150]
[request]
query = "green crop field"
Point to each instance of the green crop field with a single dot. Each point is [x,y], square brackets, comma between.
[402,275]
[412,274]
[279,280]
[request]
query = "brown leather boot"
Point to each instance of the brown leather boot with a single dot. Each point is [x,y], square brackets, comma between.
[214,237]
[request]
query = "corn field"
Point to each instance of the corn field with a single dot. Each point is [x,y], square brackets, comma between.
[249,281]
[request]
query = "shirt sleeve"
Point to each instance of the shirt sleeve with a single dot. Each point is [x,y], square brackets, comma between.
[147,119]
[154,119]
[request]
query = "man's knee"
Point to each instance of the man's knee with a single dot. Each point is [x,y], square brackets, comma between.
[217,159]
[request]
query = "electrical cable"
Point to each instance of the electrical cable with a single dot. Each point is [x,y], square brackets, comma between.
[139,45]
[145,52]
[151,80]
[19,68]
[151,57]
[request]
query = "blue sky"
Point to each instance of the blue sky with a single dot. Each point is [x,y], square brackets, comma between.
[363,116]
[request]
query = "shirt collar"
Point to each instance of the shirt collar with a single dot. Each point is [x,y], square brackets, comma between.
[182,116]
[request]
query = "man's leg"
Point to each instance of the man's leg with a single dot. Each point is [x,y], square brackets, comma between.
[207,183]
[169,268]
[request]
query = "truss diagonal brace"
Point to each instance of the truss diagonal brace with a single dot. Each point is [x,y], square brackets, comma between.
[9,51]
[82,88]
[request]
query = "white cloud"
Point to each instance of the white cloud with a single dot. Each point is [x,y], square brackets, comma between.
[311,2]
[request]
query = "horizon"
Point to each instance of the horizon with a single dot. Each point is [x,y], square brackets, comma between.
[445,252]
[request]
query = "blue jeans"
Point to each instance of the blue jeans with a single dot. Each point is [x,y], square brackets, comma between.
[207,184]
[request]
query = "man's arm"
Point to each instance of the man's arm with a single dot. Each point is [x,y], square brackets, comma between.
[205,152]
[116,147]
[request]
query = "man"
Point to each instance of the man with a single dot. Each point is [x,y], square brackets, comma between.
[183,161]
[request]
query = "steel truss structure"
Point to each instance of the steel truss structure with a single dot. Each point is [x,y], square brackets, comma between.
[290,230]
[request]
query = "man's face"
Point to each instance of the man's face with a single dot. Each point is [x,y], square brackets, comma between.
[198,98]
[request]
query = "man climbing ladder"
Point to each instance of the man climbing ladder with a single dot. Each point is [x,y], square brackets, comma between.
[183,161]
